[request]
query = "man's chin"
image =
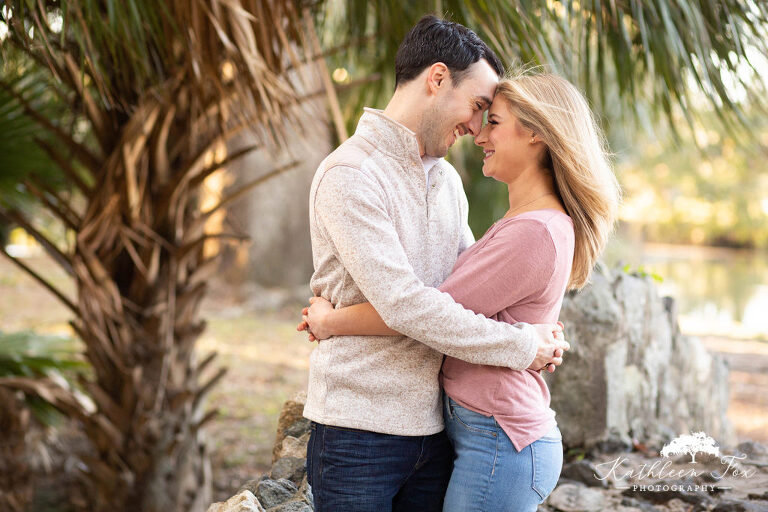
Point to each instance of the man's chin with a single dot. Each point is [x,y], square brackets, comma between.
[436,152]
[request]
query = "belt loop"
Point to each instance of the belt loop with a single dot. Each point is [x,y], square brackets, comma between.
[447,402]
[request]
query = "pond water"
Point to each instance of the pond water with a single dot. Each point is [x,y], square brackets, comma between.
[718,291]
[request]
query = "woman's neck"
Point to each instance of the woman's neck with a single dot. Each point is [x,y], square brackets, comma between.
[533,190]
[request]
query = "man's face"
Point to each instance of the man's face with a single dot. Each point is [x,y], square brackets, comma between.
[458,110]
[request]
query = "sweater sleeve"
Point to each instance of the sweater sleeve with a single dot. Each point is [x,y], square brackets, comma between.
[515,265]
[350,208]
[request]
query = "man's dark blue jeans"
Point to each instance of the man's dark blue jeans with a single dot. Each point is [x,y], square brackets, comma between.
[360,471]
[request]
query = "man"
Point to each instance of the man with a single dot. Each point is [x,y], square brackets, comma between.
[388,217]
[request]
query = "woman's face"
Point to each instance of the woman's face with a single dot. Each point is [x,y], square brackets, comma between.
[507,145]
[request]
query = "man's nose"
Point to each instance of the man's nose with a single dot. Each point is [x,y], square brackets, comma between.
[481,138]
[475,124]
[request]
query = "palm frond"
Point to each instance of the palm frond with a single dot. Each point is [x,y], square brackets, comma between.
[31,355]
[20,152]
[115,53]
[632,57]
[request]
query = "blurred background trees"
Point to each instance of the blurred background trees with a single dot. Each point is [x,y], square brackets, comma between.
[118,117]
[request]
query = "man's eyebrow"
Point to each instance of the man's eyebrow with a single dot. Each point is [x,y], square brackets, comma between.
[484,99]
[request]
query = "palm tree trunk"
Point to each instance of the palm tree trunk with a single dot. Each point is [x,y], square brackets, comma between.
[15,481]
[140,274]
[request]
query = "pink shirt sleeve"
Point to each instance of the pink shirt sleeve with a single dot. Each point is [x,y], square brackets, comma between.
[513,266]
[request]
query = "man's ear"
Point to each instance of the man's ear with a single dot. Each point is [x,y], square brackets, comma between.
[438,76]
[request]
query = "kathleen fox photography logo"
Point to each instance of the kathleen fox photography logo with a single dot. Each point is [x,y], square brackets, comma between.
[621,470]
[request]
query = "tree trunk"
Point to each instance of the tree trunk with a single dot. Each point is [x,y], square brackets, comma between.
[140,274]
[15,481]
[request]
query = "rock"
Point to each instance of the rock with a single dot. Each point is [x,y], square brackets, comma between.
[678,505]
[292,447]
[299,428]
[293,506]
[739,506]
[630,373]
[250,485]
[707,478]
[613,442]
[275,492]
[306,491]
[244,501]
[289,468]
[585,472]
[638,504]
[753,450]
[667,490]
[291,422]
[576,498]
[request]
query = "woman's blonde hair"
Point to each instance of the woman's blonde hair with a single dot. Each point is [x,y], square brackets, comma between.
[576,155]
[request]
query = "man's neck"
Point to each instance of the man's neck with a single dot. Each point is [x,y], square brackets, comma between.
[401,108]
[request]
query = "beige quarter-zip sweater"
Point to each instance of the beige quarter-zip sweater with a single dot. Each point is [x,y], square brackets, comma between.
[381,234]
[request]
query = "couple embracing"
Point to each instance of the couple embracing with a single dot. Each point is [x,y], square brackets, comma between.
[426,390]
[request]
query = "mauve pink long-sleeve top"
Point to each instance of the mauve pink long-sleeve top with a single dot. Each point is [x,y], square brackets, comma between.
[517,272]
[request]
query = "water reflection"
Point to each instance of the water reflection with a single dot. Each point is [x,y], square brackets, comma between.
[718,291]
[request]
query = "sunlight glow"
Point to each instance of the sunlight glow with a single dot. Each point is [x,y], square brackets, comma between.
[340,75]
[56,22]
[227,71]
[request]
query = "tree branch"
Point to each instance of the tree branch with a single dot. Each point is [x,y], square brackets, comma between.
[62,259]
[65,166]
[64,214]
[59,295]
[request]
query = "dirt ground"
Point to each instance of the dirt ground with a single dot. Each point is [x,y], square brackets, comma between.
[268,363]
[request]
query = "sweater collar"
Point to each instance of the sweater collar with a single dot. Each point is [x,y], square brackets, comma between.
[388,136]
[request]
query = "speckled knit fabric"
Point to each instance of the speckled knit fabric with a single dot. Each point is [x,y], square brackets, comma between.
[381,234]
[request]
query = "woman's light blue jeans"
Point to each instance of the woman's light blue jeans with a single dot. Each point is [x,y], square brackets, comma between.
[489,474]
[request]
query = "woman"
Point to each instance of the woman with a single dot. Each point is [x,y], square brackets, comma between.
[542,141]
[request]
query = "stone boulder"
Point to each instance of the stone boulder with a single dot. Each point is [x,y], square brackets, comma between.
[630,373]
[285,489]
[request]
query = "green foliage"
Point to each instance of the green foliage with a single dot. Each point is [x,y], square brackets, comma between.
[29,354]
[21,154]
[575,454]
[633,59]
[641,271]
[710,190]
[651,67]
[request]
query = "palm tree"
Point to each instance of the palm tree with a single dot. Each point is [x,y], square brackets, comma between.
[644,65]
[150,90]
[634,59]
